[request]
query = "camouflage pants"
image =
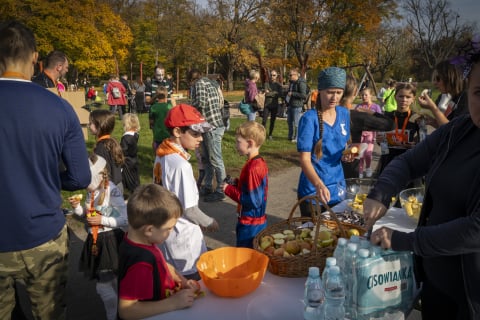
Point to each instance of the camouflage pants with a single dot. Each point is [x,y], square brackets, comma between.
[44,270]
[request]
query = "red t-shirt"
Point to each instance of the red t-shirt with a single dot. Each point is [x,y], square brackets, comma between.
[139,281]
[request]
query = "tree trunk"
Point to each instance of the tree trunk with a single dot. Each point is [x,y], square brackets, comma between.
[230,78]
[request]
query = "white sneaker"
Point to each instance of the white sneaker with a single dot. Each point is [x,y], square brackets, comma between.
[360,175]
[368,172]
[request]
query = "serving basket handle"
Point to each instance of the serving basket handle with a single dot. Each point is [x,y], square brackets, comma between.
[316,209]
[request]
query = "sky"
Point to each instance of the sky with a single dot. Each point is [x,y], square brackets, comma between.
[469,10]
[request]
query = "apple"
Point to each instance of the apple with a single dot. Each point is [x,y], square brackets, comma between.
[269,250]
[353,232]
[292,247]
[278,242]
[266,242]
[304,244]
[278,252]
[324,235]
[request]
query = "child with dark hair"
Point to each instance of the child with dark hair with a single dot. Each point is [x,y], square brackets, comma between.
[106,214]
[102,123]
[157,114]
[148,285]
[129,144]
[173,171]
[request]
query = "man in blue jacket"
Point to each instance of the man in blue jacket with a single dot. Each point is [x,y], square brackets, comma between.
[40,131]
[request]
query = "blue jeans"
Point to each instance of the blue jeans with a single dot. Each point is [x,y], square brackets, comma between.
[293,116]
[212,151]
[252,115]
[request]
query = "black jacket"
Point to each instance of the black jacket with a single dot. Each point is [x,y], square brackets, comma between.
[363,121]
[299,93]
[450,236]
[43,80]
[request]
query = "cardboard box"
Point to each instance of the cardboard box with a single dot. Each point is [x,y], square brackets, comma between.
[77,100]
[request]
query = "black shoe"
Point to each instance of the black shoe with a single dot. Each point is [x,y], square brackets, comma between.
[205,191]
[214,197]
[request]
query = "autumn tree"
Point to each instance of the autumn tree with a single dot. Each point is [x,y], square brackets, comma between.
[435,27]
[233,34]
[94,38]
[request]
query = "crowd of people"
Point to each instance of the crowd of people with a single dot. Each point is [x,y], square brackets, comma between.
[142,253]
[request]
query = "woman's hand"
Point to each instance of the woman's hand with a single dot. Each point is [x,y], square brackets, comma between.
[426,102]
[372,211]
[322,192]
[382,237]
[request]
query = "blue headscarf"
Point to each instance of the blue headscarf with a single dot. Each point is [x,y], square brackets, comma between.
[332,77]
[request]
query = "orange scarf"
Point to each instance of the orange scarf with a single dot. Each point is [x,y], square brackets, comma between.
[165,148]
[105,137]
[400,137]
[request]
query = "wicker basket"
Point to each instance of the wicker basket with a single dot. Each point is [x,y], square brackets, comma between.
[297,266]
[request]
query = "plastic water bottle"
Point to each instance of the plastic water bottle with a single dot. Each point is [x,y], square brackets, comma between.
[422,124]
[362,255]
[354,239]
[384,146]
[364,244]
[314,296]
[334,295]
[376,251]
[330,262]
[350,256]
[339,253]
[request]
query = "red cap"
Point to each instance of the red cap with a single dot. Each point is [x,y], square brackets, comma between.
[184,115]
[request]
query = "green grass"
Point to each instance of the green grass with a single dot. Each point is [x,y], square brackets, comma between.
[279,152]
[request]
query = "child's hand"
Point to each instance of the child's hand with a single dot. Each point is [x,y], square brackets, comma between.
[195,285]
[213,227]
[94,220]
[183,298]
[75,200]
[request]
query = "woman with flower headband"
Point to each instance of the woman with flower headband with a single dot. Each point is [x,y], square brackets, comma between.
[446,242]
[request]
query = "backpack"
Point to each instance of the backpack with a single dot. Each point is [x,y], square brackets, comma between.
[116,92]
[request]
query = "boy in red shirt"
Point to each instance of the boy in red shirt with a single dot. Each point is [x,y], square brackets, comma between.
[148,285]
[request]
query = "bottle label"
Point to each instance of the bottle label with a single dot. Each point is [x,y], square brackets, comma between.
[315,297]
[382,282]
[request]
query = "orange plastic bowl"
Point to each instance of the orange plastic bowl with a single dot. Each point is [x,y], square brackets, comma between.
[232,272]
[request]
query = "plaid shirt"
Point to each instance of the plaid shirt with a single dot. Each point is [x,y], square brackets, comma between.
[206,98]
